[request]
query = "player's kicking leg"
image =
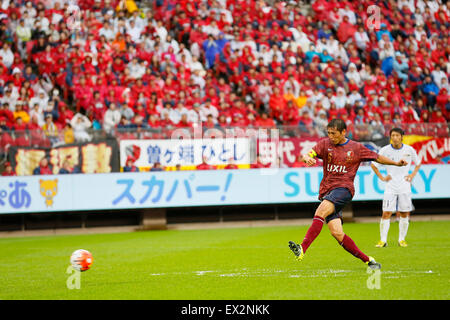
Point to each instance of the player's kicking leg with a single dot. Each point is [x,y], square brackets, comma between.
[348,244]
[330,212]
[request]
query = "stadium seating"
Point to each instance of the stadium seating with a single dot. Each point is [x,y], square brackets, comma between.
[298,62]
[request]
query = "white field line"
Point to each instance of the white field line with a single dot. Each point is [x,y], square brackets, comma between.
[292,273]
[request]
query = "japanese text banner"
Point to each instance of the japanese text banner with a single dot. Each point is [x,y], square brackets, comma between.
[185,152]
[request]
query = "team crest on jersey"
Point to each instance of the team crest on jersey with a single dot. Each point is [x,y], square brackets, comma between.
[350,155]
[330,156]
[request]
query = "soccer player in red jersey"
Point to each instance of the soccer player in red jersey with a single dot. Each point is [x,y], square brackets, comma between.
[341,158]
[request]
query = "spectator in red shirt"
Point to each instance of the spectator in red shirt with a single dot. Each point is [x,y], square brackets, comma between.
[5,138]
[442,98]
[346,30]
[9,172]
[291,115]
[438,117]
[6,113]
[153,121]
[265,121]
[322,9]
[184,122]
[238,120]
[118,66]
[409,114]
[204,165]
[83,94]
[276,104]
[258,164]
[306,122]
[43,168]
[231,165]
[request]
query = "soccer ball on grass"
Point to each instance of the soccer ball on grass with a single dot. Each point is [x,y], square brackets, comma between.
[81,260]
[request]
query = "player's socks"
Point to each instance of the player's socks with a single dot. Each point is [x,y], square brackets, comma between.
[403,228]
[384,229]
[349,245]
[312,232]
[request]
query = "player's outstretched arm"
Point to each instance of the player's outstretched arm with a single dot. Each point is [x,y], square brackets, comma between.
[378,173]
[385,160]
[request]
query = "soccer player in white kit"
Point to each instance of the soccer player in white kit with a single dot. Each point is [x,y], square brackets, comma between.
[397,194]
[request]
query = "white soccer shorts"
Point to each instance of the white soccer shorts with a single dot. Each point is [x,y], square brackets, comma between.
[401,202]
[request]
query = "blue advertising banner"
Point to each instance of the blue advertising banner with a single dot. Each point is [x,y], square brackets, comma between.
[80,192]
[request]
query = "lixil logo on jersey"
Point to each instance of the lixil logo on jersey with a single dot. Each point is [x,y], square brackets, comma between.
[336,168]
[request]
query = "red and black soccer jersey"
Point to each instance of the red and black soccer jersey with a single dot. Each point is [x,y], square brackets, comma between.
[340,163]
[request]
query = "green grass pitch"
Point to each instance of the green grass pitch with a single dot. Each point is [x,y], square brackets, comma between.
[225,264]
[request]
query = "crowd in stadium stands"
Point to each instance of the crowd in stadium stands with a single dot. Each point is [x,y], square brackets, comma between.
[118,64]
